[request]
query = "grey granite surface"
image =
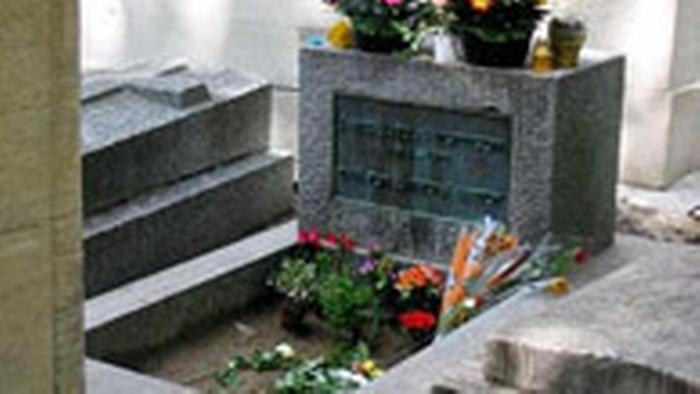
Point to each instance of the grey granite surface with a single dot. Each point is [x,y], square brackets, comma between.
[103,378]
[179,221]
[158,308]
[139,133]
[457,361]
[565,128]
[636,331]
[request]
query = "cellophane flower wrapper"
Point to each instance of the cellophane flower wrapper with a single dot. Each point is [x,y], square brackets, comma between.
[490,265]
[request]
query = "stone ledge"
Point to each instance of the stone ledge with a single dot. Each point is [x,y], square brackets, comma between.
[215,208]
[632,332]
[101,378]
[457,361]
[130,121]
[155,309]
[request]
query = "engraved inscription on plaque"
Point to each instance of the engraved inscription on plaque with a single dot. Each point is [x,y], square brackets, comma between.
[432,161]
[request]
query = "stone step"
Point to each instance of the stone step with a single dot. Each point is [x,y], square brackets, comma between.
[102,378]
[153,310]
[456,362]
[186,219]
[141,133]
[635,331]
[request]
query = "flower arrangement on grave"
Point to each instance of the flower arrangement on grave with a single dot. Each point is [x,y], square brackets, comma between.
[359,293]
[376,25]
[419,288]
[493,32]
[490,265]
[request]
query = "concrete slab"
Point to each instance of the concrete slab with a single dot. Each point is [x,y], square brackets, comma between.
[215,208]
[172,300]
[102,378]
[678,198]
[635,331]
[165,128]
[456,362]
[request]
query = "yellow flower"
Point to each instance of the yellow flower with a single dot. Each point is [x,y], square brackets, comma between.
[368,366]
[481,5]
[559,286]
[340,35]
[376,374]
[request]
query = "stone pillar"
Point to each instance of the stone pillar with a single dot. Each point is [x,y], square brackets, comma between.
[40,222]
[662,126]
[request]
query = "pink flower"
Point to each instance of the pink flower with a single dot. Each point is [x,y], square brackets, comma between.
[393,2]
[302,237]
[314,238]
[440,3]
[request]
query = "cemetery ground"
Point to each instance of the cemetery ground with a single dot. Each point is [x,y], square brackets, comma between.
[195,357]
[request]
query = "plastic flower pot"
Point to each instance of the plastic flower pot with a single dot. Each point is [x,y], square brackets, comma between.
[292,315]
[379,43]
[444,50]
[495,54]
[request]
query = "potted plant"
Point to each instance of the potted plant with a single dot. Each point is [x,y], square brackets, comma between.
[297,281]
[346,304]
[381,25]
[495,32]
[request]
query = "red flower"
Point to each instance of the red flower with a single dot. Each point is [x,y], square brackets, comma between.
[417,320]
[331,239]
[346,242]
[302,237]
[315,238]
[580,256]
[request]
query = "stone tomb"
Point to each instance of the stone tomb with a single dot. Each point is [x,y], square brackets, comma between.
[175,165]
[405,152]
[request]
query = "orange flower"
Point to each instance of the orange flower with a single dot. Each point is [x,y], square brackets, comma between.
[432,274]
[481,6]
[412,277]
[509,242]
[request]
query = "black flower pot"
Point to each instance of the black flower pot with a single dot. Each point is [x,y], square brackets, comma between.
[379,44]
[505,54]
[292,316]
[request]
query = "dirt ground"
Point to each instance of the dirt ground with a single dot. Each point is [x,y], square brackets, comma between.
[192,359]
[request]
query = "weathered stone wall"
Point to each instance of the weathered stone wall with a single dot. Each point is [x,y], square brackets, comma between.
[660,140]
[40,248]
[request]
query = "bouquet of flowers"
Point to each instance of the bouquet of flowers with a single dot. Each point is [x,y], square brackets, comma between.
[490,264]
[378,25]
[419,288]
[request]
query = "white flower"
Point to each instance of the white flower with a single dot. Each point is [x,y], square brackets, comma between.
[349,376]
[284,350]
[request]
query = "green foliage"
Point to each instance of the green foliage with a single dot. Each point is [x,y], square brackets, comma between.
[280,358]
[505,21]
[344,356]
[374,18]
[297,279]
[345,302]
[314,376]
[317,376]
